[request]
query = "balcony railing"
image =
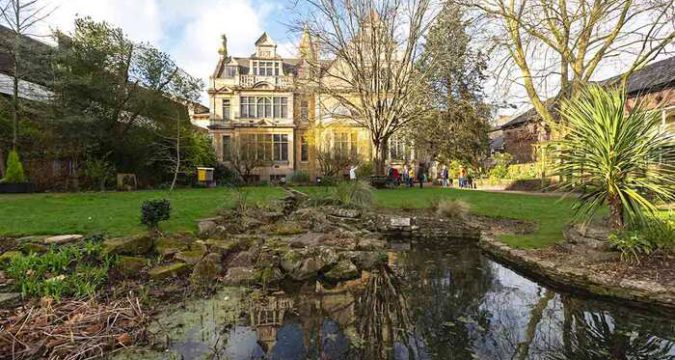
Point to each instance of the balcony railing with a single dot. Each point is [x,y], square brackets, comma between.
[277,81]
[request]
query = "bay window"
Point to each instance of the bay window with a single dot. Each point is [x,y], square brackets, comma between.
[260,107]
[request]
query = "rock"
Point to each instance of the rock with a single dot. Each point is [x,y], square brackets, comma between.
[399,222]
[223,247]
[167,271]
[207,270]
[343,270]
[205,228]
[191,257]
[62,239]
[168,246]
[579,235]
[371,244]
[34,248]
[291,260]
[344,213]
[286,228]
[304,266]
[130,245]
[243,259]
[366,260]
[240,275]
[8,256]
[8,300]
[268,275]
[130,266]
[32,238]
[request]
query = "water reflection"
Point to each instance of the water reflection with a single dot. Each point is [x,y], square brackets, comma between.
[436,304]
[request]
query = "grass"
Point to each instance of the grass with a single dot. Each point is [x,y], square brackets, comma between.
[118,213]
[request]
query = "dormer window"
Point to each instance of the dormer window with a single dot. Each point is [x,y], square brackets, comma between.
[230,71]
[266,68]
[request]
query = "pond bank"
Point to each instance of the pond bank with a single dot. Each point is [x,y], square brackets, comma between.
[601,277]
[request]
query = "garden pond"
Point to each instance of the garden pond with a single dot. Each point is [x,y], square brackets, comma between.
[453,303]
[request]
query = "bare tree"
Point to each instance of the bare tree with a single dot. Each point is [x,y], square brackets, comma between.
[246,156]
[557,47]
[373,47]
[21,18]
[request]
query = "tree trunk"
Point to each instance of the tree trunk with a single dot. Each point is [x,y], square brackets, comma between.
[615,212]
[380,159]
[2,163]
[15,92]
[177,169]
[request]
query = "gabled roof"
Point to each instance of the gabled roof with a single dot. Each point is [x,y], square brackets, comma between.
[265,40]
[653,77]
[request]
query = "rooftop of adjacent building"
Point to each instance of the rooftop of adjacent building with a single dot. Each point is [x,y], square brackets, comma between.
[653,77]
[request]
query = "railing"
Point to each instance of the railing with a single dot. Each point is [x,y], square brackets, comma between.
[278,81]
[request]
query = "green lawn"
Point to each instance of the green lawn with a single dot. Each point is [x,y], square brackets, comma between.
[118,213]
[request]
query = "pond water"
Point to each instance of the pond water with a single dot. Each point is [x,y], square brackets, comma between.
[453,303]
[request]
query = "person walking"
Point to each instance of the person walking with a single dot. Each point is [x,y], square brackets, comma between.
[420,175]
[411,175]
[352,173]
[444,176]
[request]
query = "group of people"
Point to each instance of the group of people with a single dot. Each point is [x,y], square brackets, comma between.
[418,172]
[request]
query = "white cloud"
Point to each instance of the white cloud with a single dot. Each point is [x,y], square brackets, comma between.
[189,31]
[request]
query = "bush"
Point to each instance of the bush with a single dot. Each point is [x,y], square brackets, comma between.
[632,245]
[154,211]
[14,172]
[99,171]
[365,170]
[224,175]
[300,178]
[499,171]
[655,235]
[452,209]
[69,270]
[355,194]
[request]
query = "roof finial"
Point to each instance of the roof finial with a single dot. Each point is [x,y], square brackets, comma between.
[223,48]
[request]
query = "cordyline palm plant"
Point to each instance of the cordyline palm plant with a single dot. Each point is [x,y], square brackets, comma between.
[622,158]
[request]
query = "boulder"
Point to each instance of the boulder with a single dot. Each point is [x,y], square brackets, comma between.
[243,259]
[207,270]
[62,239]
[268,275]
[291,260]
[8,256]
[223,247]
[167,271]
[286,228]
[191,257]
[130,266]
[206,228]
[34,248]
[307,265]
[130,245]
[343,270]
[167,246]
[9,300]
[240,275]
[366,260]
[344,213]
[370,244]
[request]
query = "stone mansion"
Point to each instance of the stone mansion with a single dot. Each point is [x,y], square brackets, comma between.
[266,107]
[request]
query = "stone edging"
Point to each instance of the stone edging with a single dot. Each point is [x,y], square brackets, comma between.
[644,294]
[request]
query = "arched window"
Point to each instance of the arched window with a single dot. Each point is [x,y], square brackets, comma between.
[264,107]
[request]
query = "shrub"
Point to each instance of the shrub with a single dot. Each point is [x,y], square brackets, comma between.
[452,209]
[499,171]
[358,194]
[365,170]
[631,244]
[300,178]
[655,234]
[225,175]
[154,211]
[99,171]
[69,270]
[618,156]
[14,172]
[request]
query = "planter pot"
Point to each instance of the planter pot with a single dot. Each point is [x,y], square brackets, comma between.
[16,188]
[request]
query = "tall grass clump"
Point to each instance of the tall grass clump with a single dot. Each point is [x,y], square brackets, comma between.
[451,208]
[616,157]
[354,194]
[70,270]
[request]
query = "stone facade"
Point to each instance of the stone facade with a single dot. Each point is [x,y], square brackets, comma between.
[269,107]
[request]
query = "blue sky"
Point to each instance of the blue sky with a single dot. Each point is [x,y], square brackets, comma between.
[188,30]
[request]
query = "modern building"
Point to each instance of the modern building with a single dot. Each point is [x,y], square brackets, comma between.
[270,112]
